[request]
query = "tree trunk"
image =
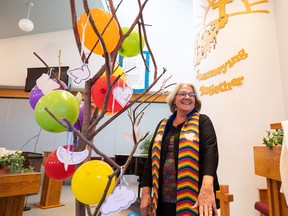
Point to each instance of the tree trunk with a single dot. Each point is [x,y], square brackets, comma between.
[79,208]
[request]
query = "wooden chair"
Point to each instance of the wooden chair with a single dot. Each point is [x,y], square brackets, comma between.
[224,197]
[262,204]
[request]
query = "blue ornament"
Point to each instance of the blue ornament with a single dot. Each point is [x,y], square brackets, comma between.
[132,214]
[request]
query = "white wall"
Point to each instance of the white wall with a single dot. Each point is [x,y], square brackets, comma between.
[240,117]
[17,55]
[282,31]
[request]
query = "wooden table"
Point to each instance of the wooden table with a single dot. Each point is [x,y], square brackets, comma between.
[14,188]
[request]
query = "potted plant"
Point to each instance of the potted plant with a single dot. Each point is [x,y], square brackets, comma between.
[273,138]
[14,163]
[145,144]
[17,181]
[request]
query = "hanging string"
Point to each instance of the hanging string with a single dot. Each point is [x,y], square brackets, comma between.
[122,179]
[67,141]
[76,142]
[84,26]
[50,72]
[113,97]
[71,139]
[107,5]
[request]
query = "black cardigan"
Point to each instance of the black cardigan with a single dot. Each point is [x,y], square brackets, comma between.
[208,153]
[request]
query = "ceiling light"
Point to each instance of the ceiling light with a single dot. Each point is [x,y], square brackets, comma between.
[26,24]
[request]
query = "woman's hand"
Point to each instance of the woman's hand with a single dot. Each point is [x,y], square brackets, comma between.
[145,205]
[206,198]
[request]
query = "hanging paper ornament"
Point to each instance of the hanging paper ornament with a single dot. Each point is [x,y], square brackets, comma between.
[56,169]
[121,198]
[122,95]
[79,74]
[100,89]
[46,84]
[69,157]
[36,93]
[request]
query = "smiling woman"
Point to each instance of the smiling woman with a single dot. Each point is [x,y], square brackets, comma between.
[183,152]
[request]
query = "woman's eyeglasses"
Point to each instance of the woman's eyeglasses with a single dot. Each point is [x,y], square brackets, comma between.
[184,94]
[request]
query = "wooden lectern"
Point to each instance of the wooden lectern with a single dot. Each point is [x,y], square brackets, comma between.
[266,164]
[51,190]
[13,190]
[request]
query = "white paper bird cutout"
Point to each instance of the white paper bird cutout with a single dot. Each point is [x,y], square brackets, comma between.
[190,136]
[69,158]
[46,84]
[79,74]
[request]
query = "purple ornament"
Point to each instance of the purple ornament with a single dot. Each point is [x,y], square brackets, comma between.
[36,94]
[79,122]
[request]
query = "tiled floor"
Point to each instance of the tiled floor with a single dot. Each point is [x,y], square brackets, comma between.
[68,199]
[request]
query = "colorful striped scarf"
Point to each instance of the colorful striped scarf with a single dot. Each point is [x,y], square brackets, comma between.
[188,164]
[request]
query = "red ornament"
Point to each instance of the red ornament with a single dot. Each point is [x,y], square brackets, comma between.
[99,90]
[55,169]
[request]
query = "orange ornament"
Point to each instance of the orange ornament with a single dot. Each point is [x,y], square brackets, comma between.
[101,18]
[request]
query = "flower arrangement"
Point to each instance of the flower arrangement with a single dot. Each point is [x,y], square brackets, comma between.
[14,162]
[273,138]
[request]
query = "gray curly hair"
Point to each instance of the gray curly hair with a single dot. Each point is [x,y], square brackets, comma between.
[171,97]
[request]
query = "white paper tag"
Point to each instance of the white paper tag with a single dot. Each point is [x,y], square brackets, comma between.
[121,198]
[122,95]
[46,84]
